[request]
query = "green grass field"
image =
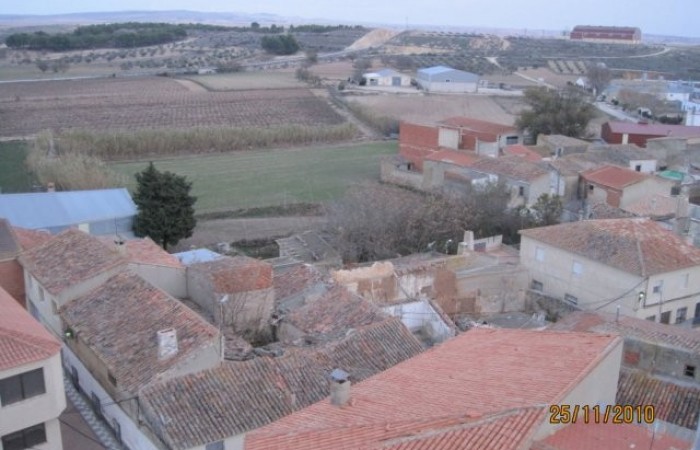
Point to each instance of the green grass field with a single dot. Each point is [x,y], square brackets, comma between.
[242,180]
[14,176]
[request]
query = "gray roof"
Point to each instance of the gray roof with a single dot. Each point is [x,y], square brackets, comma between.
[435,70]
[439,73]
[382,73]
[54,209]
[197,256]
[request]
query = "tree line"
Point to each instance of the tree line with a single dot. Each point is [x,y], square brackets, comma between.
[119,35]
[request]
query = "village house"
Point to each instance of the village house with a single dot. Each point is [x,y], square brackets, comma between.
[13,241]
[632,264]
[659,366]
[525,180]
[446,79]
[98,212]
[464,393]
[620,187]
[559,145]
[624,155]
[523,151]
[640,133]
[31,381]
[125,334]
[386,77]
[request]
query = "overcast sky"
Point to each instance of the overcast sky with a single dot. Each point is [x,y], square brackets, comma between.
[670,17]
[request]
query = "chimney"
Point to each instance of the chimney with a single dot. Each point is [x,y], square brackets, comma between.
[120,244]
[469,240]
[167,343]
[51,187]
[340,388]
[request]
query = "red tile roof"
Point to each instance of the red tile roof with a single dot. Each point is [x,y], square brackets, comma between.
[478,374]
[22,339]
[523,152]
[235,274]
[673,403]
[512,167]
[295,280]
[478,125]
[614,177]
[69,258]
[581,436]
[463,158]
[28,239]
[657,206]
[119,321]
[240,396]
[638,246]
[654,129]
[144,251]
[630,327]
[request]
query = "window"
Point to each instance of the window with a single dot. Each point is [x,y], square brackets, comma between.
[577,268]
[21,387]
[96,404]
[510,140]
[54,307]
[539,254]
[521,191]
[215,446]
[685,278]
[666,317]
[111,378]
[590,187]
[638,167]
[652,318]
[117,430]
[537,286]
[681,315]
[571,299]
[689,371]
[23,439]
[658,287]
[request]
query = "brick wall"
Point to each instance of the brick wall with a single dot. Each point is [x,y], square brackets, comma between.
[416,142]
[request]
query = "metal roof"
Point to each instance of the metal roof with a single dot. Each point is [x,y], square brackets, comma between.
[55,209]
[197,256]
[435,70]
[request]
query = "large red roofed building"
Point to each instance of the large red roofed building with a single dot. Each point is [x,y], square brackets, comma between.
[640,133]
[623,35]
[486,389]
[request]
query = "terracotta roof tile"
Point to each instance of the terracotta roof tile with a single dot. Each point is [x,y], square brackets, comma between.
[119,321]
[475,375]
[673,403]
[523,152]
[458,158]
[638,246]
[22,339]
[335,312]
[9,243]
[614,177]
[294,280]
[511,166]
[657,206]
[235,274]
[630,327]
[28,239]
[144,251]
[69,258]
[581,436]
[240,396]
[605,211]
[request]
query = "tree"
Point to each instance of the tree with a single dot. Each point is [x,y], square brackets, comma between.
[166,212]
[555,112]
[547,210]
[599,77]
[42,65]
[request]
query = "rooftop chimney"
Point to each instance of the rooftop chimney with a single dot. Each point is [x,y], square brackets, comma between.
[51,187]
[167,343]
[120,244]
[340,387]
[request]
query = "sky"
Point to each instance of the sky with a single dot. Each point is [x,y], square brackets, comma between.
[666,17]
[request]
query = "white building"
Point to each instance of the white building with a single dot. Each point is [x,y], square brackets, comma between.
[632,264]
[387,77]
[446,79]
[31,381]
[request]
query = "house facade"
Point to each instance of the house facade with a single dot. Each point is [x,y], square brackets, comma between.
[632,264]
[640,133]
[386,77]
[31,381]
[620,187]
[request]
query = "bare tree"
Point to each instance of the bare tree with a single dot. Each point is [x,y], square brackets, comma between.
[599,77]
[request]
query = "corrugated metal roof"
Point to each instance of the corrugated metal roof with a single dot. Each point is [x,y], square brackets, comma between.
[197,256]
[54,209]
[435,70]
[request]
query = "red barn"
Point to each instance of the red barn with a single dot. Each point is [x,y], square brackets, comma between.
[625,35]
[639,133]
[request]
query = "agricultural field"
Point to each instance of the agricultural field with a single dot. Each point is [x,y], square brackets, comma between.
[14,176]
[248,81]
[431,108]
[127,104]
[242,180]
